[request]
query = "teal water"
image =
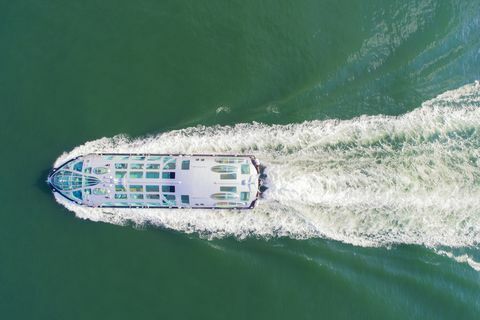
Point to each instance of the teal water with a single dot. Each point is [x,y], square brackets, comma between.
[366,114]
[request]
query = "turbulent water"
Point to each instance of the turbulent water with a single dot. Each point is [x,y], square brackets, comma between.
[370,181]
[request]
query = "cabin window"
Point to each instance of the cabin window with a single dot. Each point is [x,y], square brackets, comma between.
[169,166]
[154,158]
[224,196]
[91,181]
[168,175]
[77,194]
[244,196]
[153,175]
[224,169]
[120,174]
[100,170]
[168,188]
[186,165]
[136,196]
[228,176]
[87,170]
[228,189]
[78,166]
[115,204]
[245,168]
[136,174]
[99,191]
[136,166]
[136,188]
[120,166]
[87,191]
[138,158]
[119,187]
[120,196]
[169,196]
[153,196]
[169,200]
[150,188]
[185,199]
[152,166]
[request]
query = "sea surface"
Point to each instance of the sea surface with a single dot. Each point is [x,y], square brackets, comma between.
[366,114]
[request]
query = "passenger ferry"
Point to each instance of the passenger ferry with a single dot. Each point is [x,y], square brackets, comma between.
[159,181]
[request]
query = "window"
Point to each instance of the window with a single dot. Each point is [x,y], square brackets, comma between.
[169,200]
[87,191]
[120,166]
[66,180]
[153,196]
[87,170]
[120,174]
[91,181]
[78,166]
[228,189]
[100,191]
[153,158]
[152,166]
[138,158]
[120,196]
[169,163]
[150,188]
[245,168]
[244,196]
[224,196]
[136,188]
[136,166]
[136,174]
[168,188]
[115,204]
[136,196]
[224,169]
[100,170]
[228,176]
[77,194]
[152,175]
[185,199]
[186,165]
[168,175]
[119,187]
[169,166]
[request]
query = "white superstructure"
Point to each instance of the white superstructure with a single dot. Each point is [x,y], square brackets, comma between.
[159,180]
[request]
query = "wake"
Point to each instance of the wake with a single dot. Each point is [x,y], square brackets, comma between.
[369,181]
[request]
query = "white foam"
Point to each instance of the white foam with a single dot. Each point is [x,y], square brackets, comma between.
[464,258]
[370,181]
[224,109]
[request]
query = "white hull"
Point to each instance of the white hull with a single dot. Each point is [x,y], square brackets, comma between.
[159,181]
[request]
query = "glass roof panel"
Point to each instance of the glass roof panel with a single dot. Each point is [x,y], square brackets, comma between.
[67,180]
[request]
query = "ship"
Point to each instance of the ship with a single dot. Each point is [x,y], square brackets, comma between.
[114,180]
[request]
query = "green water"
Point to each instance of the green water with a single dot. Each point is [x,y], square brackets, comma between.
[76,71]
